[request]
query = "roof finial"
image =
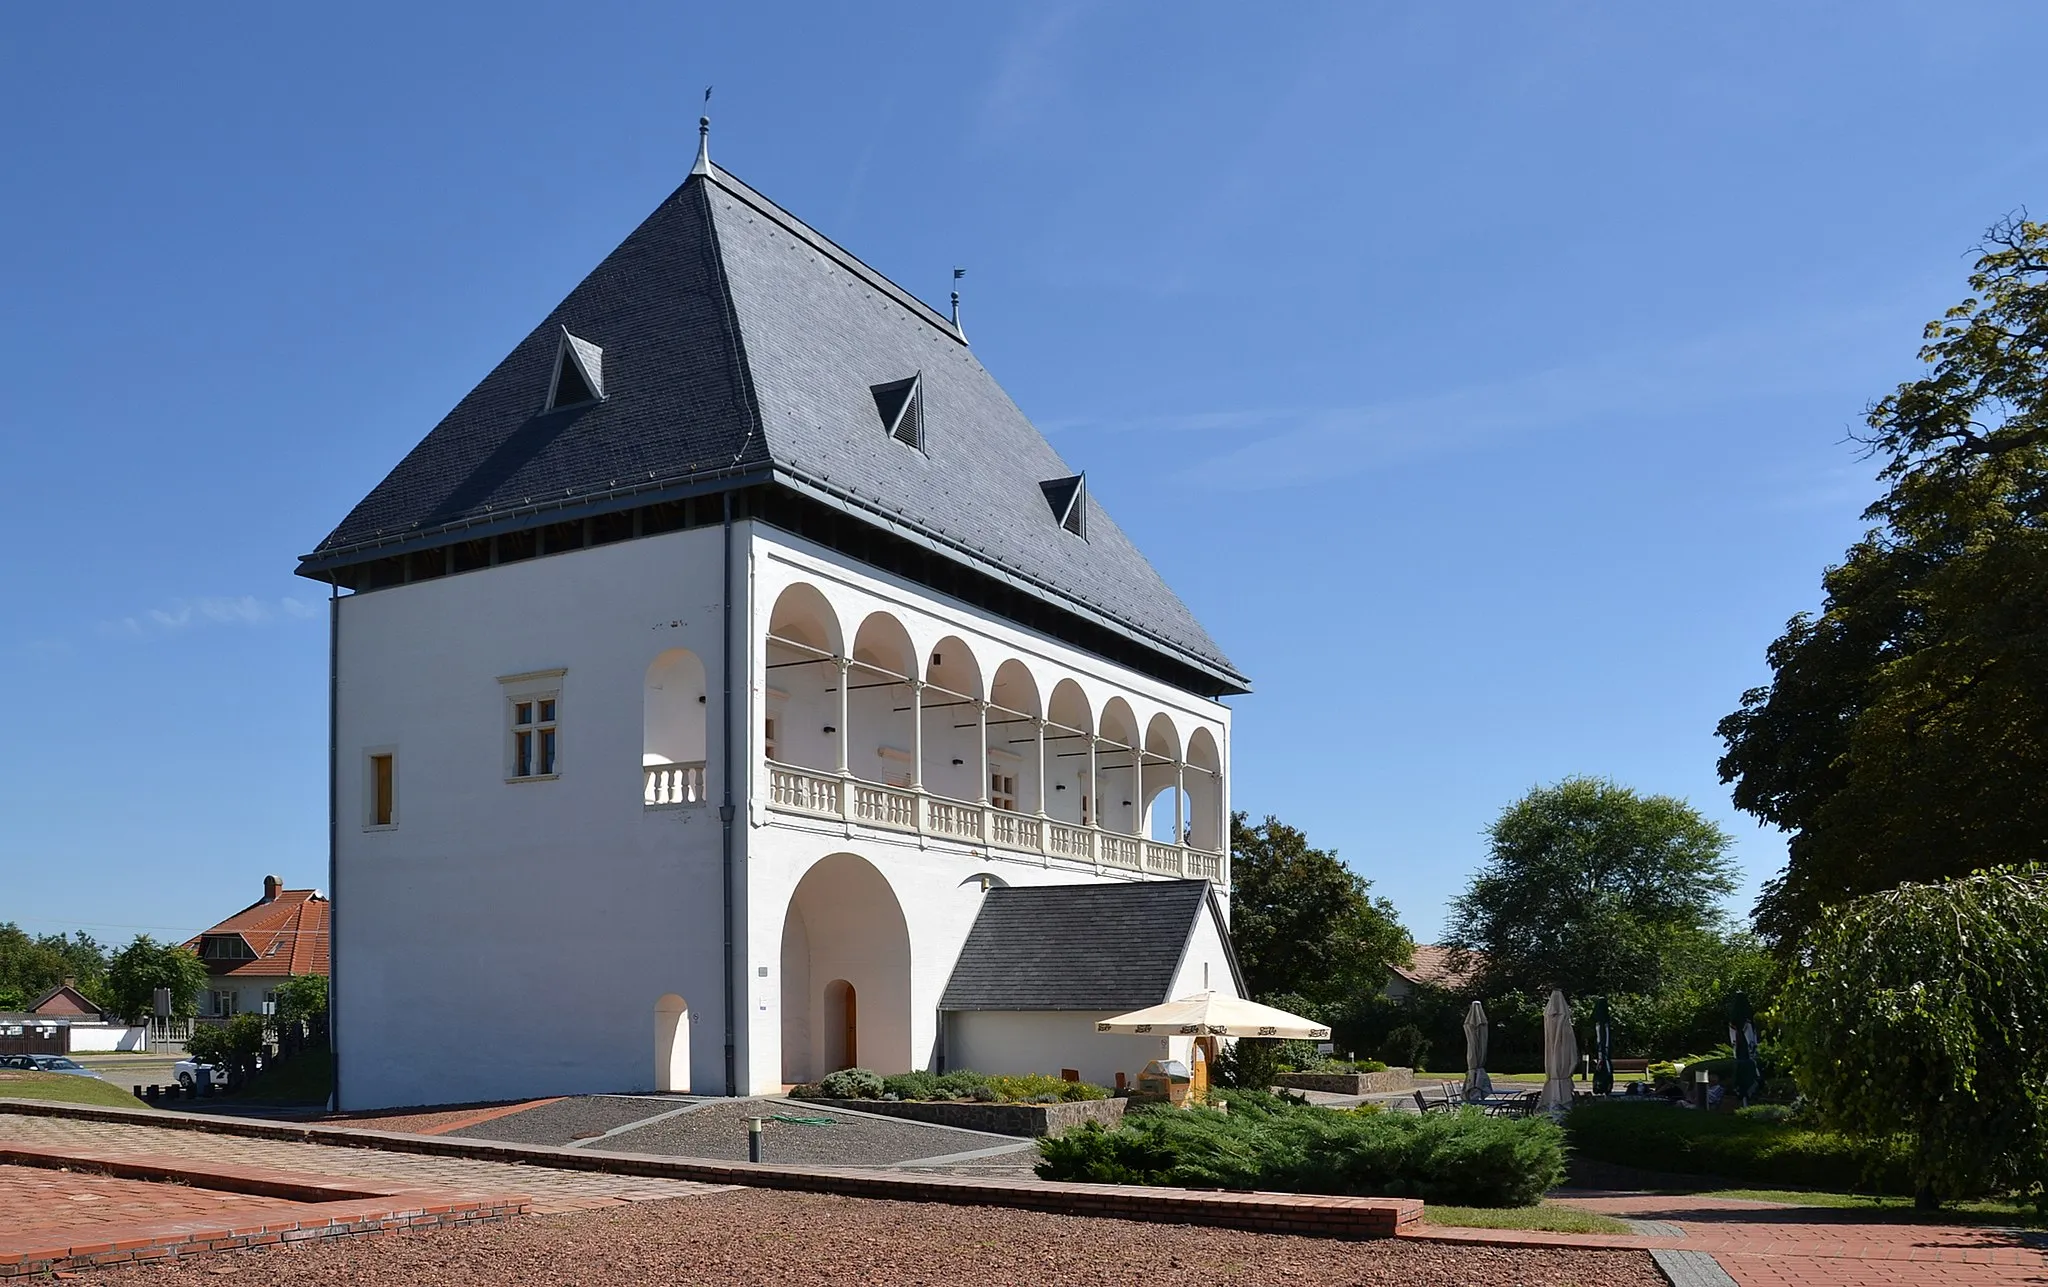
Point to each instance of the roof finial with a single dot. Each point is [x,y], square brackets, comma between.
[958,273]
[703,165]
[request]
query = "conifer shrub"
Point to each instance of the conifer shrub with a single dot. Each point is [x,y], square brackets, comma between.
[851,1083]
[1272,1143]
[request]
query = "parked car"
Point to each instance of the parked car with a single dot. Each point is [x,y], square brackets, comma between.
[188,1072]
[48,1064]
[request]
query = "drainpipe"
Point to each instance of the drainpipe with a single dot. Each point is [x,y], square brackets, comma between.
[333,834]
[725,819]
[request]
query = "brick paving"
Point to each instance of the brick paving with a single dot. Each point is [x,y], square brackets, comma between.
[50,1206]
[550,1190]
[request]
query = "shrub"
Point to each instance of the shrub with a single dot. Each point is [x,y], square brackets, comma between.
[1744,1145]
[1265,1142]
[1405,1047]
[208,1044]
[918,1084]
[851,1083]
[1044,1088]
[1249,1063]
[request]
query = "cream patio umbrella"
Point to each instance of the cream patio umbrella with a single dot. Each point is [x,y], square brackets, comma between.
[1477,1084]
[1206,1014]
[1560,1055]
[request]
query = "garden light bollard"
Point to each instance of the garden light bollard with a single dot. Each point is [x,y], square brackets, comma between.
[753,1139]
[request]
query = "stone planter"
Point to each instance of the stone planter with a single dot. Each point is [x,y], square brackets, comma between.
[1028,1120]
[1378,1083]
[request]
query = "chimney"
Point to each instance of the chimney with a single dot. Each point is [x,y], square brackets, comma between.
[271,885]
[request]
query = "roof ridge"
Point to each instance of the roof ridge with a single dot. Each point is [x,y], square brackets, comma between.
[846,259]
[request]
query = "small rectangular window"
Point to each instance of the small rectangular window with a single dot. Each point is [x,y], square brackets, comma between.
[533,738]
[383,789]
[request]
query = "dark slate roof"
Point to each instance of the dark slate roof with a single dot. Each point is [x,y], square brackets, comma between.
[740,346]
[1077,947]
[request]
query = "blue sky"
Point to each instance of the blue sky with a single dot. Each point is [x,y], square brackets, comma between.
[1479,375]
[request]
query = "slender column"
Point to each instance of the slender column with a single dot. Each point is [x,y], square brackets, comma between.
[1180,791]
[845,665]
[917,735]
[1137,793]
[981,731]
[1041,765]
[1094,797]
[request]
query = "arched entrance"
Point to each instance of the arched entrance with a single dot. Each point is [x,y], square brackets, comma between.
[672,1044]
[845,973]
[842,1026]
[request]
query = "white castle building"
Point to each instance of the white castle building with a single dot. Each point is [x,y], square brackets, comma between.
[735,686]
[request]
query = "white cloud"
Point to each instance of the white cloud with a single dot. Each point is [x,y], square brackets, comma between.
[226,610]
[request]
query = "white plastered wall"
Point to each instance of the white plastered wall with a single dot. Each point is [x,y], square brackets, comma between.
[506,940]
[934,882]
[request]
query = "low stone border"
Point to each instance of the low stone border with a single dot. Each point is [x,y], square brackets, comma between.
[1379,1083]
[318,1209]
[1027,1120]
[1296,1213]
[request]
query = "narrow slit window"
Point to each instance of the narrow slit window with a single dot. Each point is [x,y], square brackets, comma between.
[383,792]
[900,403]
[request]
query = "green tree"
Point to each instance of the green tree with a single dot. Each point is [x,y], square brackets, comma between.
[1904,734]
[1303,924]
[1924,1009]
[302,998]
[31,966]
[145,965]
[1593,888]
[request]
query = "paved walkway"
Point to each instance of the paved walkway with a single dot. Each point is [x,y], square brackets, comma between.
[551,1190]
[1712,1242]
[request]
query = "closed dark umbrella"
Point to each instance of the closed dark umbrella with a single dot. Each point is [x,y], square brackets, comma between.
[1742,1035]
[1603,1050]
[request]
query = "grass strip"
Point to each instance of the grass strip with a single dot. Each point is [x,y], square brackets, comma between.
[1545,1217]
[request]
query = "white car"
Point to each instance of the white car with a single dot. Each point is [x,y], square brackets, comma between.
[188,1072]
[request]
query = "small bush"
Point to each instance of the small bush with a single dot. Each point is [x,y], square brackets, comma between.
[1405,1047]
[1044,1088]
[920,1084]
[1249,1063]
[983,1094]
[1265,1142]
[851,1083]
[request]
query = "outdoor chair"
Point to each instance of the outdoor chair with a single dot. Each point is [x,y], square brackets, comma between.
[1424,1104]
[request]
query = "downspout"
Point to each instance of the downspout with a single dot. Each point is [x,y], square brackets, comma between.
[725,820]
[333,833]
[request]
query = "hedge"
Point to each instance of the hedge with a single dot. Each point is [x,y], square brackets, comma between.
[1265,1142]
[1759,1146]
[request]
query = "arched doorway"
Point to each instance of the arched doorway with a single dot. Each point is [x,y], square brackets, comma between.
[845,973]
[842,1027]
[672,1044]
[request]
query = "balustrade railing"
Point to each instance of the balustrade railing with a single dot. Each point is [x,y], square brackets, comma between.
[807,791]
[803,792]
[671,784]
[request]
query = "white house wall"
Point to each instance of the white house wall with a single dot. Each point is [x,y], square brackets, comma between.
[1048,1041]
[508,939]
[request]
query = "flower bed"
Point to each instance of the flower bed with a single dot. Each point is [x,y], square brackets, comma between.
[1350,1083]
[1027,1120]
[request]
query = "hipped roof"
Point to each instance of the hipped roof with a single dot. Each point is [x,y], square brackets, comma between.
[288,934]
[740,347]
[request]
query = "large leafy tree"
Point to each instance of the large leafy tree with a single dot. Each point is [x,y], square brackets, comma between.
[1924,1010]
[1591,887]
[1904,734]
[1306,928]
[32,965]
[145,965]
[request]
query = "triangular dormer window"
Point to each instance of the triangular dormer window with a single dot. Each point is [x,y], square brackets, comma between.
[900,403]
[579,373]
[1069,500]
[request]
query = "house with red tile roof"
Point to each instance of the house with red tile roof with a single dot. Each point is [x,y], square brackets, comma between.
[1434,967]
[249,954]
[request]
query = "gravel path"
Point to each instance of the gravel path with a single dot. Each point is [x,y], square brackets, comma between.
[567,1120]
[807,1240]
[719,1130]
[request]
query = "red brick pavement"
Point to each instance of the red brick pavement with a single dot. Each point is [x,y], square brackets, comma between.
[1767,1244]
[67,1208]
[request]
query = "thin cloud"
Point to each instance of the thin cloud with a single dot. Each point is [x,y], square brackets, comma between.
[1028,74]
[187,614]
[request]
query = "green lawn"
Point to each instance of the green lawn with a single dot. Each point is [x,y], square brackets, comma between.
[1889,1209]
[1546,1216]
[66,1089]
[1731,1146]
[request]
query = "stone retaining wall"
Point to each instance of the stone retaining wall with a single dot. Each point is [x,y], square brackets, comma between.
[1028,1120]
[1392,1079]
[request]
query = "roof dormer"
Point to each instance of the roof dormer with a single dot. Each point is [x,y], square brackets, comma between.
[579,373]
